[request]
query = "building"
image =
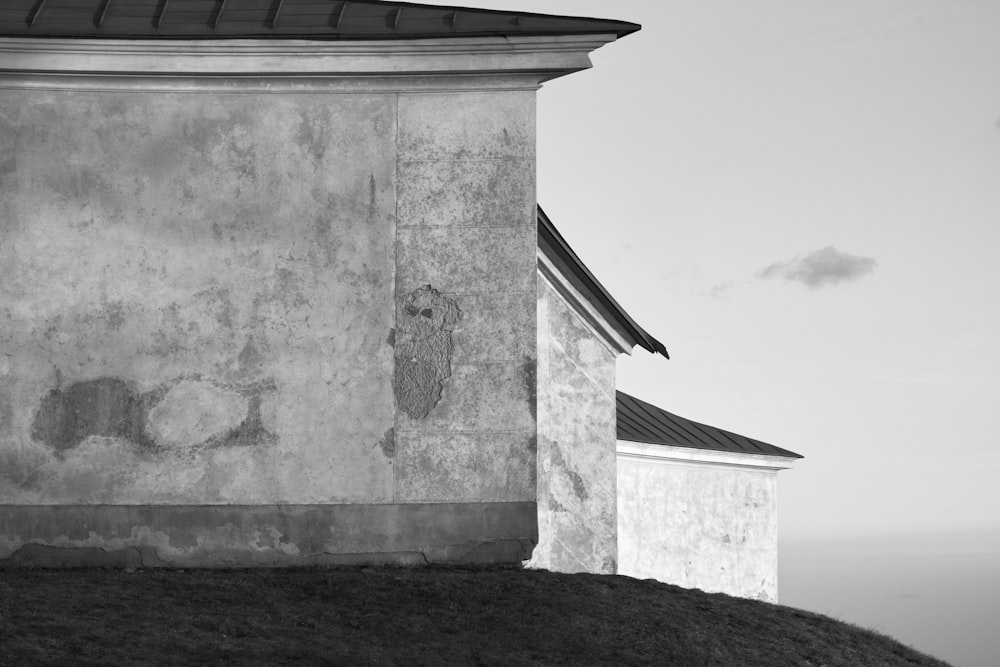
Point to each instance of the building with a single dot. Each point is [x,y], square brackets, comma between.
[270,290]
[697,505]
[625,486]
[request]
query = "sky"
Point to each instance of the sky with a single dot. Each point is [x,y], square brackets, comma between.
[801,199]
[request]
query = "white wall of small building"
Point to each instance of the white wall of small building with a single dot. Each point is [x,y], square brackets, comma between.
[576,432]
[699,518]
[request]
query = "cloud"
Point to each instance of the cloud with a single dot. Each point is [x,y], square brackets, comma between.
[721,290]
[820,268]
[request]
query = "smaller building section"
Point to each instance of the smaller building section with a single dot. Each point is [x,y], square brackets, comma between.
[697,505]
[581,332]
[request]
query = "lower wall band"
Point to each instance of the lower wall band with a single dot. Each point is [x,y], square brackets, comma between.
[265,535]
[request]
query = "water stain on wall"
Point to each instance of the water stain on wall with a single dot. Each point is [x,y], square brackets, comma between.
[561,466]
[529,371]
[185,413]
[425,320]
[105,407]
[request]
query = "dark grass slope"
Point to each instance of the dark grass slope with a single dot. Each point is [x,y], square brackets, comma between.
[431,616]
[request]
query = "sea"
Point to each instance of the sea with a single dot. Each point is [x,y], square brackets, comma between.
[936,592]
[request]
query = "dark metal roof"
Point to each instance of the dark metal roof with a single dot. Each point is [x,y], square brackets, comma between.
[556,249]
[639,421]
[280,19]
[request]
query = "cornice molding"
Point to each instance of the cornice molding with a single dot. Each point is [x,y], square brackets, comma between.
[668,454]
[518,61]
[267,84]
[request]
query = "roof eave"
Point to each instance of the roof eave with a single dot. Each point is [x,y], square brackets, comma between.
[240,19]
[559,252]
[685,455]
[529,59]
[642,422]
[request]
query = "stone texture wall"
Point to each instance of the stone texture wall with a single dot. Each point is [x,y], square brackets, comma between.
[197,295]
[466,229]
[711,527]
[576,442]
[241,299]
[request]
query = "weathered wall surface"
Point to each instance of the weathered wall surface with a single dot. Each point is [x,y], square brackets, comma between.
[263,535]
[576,442]
[206,300]
[712,527]
[466,228]
[197,292]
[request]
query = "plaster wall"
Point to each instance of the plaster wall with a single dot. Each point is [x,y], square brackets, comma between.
[696,525]
[466,227]
[576,441]
[225,298]
[178,265]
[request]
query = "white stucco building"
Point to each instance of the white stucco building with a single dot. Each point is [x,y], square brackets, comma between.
[277,293]
[697,505]
[665,498]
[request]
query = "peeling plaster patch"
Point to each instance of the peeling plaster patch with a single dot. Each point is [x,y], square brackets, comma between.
[388,443]
[424,322]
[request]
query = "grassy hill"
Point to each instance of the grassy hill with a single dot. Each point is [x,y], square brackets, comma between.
[430,616]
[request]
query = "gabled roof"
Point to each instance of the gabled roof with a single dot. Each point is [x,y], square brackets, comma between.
[280,19]
[554,246]
[639,421]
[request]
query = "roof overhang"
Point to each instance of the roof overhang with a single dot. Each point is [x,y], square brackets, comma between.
[646,424]
[310,43]
[580,304]
[666,454]
[561,266]
[320,20]
[506,62]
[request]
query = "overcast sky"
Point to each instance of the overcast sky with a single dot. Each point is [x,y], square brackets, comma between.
[802,201]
